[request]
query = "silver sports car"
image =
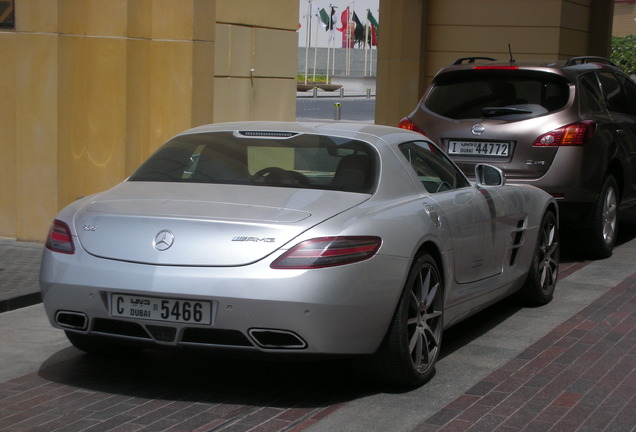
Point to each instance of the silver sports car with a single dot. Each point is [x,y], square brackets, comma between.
[322,239]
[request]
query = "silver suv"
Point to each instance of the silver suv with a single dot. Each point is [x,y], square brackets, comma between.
[567,127]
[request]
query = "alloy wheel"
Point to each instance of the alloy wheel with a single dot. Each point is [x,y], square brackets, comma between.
[609,215]
[424,322]
[549,255]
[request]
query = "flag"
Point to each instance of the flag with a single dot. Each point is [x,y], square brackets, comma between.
[344,19]
[371,19]
[374,28]
[324,18]
[328,22]
[359,30]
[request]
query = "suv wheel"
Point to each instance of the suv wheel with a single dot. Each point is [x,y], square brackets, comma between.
[604,220]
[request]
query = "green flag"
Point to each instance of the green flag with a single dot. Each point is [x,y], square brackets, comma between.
[324,17]
[371,19]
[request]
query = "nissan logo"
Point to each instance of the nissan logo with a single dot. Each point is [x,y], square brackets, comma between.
[163,240]
[478,129]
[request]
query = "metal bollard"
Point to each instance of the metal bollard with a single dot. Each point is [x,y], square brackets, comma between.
[341,92]
[315,90]
[336,114]
[368,93]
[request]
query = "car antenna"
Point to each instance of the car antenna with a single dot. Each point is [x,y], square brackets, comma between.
[512,60]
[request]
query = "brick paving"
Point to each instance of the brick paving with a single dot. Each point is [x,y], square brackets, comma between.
[580,377]
[93,394]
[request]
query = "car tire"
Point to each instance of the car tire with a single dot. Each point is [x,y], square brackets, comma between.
[538,288]
[100,345]
[411,347]
[604,224]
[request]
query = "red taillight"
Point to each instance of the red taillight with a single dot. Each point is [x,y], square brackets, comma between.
[575,134]
[60,239]
[328,252]
[407,124]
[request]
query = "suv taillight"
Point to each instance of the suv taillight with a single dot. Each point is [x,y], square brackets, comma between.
[328,252]
[575,134]
[60,239]
[407,124]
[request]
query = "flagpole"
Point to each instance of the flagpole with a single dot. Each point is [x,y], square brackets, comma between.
[307,40]
[316,43]
[330,40]
[366,47]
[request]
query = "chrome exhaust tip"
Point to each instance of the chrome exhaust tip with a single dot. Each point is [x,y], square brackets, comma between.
[71,320]
[277,339]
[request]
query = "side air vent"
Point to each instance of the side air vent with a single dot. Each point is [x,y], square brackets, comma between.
[267,134]
[517,237]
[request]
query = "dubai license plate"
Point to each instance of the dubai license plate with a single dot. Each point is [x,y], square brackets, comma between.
[161,309]
[473,148]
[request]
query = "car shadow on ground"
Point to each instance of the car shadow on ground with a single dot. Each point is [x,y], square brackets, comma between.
[206,377]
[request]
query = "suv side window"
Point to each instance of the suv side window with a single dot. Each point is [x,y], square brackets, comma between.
[629,88]
[436,172]
[614,96]
[590,96]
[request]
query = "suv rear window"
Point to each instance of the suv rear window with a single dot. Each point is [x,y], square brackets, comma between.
[484,93]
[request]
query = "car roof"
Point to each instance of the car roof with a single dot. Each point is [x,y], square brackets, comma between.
[363,131]
[564,67]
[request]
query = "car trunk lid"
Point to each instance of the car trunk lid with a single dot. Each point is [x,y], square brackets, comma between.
[201,225]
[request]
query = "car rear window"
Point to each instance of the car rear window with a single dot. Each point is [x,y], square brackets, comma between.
[495,93]
[264,159]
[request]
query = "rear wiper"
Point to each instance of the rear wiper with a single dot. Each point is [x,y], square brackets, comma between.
[497,111]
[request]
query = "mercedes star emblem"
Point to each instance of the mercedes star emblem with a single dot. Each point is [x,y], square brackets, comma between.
[163,240]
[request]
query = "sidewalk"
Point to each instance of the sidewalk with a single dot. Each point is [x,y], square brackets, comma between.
[19,272]
[568,366]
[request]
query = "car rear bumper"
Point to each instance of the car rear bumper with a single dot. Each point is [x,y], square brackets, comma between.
[339,310]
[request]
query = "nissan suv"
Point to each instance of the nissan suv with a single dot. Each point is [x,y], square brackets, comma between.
[567,127]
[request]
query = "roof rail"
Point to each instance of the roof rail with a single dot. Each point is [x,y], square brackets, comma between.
[471,60]
[588,59]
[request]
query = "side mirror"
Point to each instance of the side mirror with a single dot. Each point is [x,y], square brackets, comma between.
[488,176]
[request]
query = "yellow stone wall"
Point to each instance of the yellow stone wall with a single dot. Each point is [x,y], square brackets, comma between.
[89,88]
[256,60]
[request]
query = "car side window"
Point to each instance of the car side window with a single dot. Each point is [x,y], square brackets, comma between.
[615,98]
[436,172]
[629,88]
[590,96]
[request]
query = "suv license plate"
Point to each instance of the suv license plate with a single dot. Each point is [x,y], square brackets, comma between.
[161,309]
[472,148]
